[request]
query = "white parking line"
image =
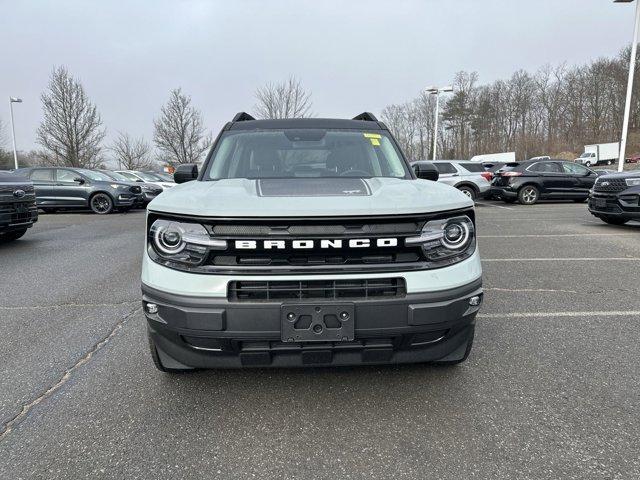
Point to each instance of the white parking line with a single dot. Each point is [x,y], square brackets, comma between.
[618,313]
[562,235]
[494,206]
[527,290]
[566,259]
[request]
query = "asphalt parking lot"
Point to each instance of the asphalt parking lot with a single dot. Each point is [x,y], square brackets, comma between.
[551,389]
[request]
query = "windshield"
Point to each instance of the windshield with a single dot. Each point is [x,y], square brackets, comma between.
[130,176]
[584,155]
[93,175]
[165,177]
[146,176]
[305,153]
[117,176]
[152,175]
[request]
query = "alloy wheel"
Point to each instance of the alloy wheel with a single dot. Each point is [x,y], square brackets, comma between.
[529,195]
[101,204]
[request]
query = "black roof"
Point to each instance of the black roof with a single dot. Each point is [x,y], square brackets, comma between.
[290,123]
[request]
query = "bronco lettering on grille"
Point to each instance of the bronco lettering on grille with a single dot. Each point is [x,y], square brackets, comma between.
[310,244]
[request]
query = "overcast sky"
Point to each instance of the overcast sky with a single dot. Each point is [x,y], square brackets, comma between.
[353,55]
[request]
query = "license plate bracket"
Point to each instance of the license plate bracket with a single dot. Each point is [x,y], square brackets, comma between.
[317,322]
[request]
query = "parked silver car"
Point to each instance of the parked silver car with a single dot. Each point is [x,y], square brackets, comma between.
[471,178]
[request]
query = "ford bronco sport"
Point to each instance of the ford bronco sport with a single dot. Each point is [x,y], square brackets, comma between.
[307,242]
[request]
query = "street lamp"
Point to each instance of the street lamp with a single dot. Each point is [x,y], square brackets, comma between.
[632,70]
[437,91]
[13,100]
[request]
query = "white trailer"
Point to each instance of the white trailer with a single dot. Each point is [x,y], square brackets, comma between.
[600,153]
[504,157]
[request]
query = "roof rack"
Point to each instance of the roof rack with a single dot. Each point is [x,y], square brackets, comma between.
[366,116]
[242,117]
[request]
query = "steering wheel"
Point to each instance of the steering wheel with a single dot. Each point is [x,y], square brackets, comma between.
[350,173]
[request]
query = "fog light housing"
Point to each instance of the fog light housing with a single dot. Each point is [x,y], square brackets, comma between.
[151,308]
[475,301]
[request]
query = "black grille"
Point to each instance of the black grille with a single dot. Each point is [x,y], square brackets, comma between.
[136,189]
[255,291]
[613,185]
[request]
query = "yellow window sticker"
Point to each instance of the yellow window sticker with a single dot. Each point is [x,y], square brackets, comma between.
[372,135]
[375,142]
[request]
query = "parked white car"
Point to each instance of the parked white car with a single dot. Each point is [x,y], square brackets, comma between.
[137,176]
[471,178]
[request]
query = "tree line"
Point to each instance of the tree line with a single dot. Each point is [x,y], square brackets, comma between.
[72,133]
[554,111]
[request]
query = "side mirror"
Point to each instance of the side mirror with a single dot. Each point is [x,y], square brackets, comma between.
[185,173]
[79,180]
[426,171]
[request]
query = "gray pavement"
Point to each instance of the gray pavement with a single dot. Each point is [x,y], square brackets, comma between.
[551,389]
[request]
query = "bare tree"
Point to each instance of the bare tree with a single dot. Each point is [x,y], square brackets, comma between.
[131,153]
[283,100]
[179,133]
[71,131]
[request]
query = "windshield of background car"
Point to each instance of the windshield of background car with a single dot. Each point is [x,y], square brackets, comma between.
[147,177]
[129,176]
[93,175]
[310,152]
[117,176]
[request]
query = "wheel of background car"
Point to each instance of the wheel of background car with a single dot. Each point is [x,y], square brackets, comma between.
[588,163]
[609,162]
[613,220]
[11,236]
[101,204]
[468,191]
[528,195]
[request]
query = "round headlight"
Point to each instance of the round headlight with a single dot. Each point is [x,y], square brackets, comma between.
[168,239]
[456,235]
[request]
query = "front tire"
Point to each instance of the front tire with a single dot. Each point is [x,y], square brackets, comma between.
[528,195]
[101,203]
[468,191]
[613,220]
[11,236]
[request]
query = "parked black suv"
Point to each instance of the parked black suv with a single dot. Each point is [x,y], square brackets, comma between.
[18,209]
[528,182]
[615,198]
[65,187]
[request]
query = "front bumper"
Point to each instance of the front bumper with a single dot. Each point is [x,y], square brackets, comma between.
[17,216]
[624,205]
[206,332]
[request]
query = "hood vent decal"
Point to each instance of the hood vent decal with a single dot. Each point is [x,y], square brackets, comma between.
[312,187]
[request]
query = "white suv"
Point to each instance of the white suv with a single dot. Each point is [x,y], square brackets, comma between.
[470,178]
[309,242]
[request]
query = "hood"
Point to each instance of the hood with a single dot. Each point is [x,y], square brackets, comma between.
[240,197]
[627,174]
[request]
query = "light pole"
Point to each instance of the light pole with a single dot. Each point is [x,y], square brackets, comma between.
[632,71]
[13,100]
[437,91]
